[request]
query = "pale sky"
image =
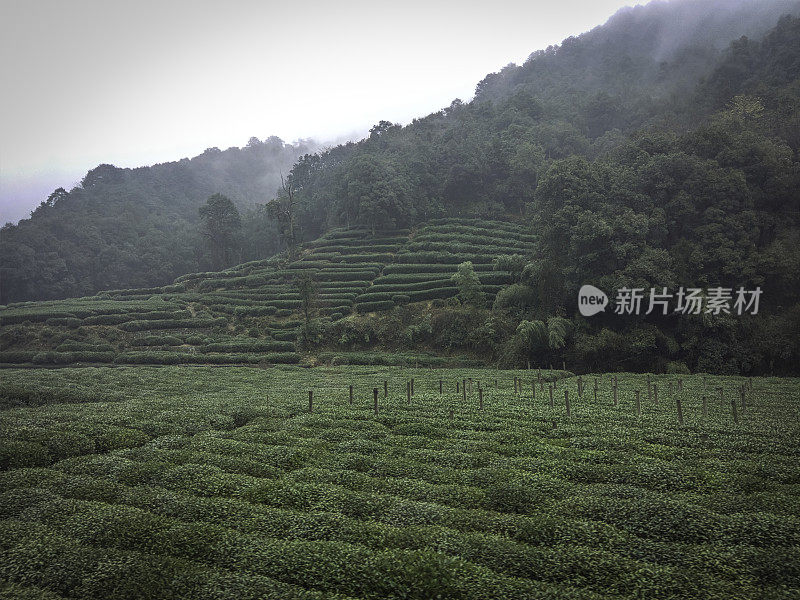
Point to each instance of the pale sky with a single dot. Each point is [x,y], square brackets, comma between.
[86,82]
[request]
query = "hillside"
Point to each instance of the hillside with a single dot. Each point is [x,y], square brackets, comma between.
[139,227]
[252,313]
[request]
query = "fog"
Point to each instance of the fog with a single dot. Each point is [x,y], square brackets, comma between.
[90,82]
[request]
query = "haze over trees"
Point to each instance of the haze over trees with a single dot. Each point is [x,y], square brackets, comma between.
[125,228]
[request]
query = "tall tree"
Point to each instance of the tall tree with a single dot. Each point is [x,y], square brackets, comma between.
[221,226]
[282,210]
[307,289]
[469,286]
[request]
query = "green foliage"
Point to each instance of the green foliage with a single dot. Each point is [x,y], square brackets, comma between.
[186,489]
[469,286]
[308,291]
[221,224]
[136,228]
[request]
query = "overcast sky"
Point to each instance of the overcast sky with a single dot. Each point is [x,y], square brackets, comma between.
[86,82]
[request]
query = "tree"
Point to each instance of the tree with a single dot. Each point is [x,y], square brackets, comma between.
[307,289]
[537,339]
[513,263]
[469,286]
[282,210]
[221,226]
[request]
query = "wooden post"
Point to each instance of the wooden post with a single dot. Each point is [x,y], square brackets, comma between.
[743,399]
[595,394]
[458,387]
[480,398]
[440,387]
[351,394]
[680,385]
[550,388]
[375,399]
[735,414]
[566,402]
[638,405]
[464,391]
[408,391]
[680,411]
[670,389]
[310,401]
[705,406]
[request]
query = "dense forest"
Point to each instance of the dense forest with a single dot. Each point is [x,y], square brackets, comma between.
[659,150]
[141,227]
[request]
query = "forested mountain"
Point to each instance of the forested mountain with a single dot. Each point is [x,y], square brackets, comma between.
[140,227]
[663,68]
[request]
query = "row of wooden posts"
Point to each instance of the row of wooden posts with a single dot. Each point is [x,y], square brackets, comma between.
[652,394]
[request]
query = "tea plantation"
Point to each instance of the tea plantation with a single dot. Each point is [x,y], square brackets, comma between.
[250,314]
[207,482]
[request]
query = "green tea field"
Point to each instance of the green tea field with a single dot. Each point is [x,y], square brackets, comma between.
[230,482]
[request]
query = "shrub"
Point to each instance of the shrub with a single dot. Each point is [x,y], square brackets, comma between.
[108,319]
[156,340]
[54,358]
[63,444]
[153,358]
[17,356]
[249,346]
[15,454]
[440,293]
[71,322]
[114,438]
[76,346]
[374,306]
[255,311]
[677,368]
[173,324]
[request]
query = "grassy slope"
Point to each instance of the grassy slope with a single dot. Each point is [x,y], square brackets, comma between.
[200,482]
[250,313]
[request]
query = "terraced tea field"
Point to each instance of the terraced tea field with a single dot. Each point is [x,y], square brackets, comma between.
[207,482]
[250,314]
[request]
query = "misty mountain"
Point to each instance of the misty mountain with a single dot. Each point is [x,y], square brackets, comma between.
[666,67]
[139,227]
